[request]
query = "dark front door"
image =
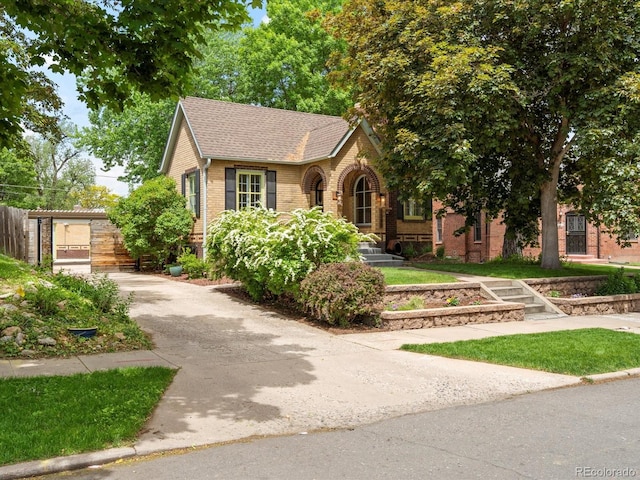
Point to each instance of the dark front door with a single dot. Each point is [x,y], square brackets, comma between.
[576,234]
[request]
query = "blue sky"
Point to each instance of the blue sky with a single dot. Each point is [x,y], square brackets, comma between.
[78,114]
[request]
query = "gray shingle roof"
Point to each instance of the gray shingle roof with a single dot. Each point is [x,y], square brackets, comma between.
[231,131]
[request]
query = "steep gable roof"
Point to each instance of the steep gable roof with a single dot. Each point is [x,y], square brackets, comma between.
[237,132]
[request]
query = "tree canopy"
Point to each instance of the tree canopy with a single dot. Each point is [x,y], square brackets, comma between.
[503,105]
[281,64]
[116,47]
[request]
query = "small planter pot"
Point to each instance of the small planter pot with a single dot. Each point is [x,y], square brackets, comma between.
[83,332]
[176,270]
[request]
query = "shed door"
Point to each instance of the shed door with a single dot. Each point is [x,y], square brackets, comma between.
[576,234]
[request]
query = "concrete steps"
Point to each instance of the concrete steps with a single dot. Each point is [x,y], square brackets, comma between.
[376,258]
[536,307]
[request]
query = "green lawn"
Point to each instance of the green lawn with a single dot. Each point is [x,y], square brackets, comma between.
[412,276]
[519,270]
[45,417]
[572,352]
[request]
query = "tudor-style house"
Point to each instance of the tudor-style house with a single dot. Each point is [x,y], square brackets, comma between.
[229,156]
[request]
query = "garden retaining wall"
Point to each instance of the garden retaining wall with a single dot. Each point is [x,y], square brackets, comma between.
[600,305]
[443,316]
[567,286]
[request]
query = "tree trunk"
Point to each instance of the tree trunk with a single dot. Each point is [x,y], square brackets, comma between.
[549,214]
[510,245]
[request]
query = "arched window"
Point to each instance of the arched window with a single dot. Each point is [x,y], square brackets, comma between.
[362,203]
[318,193]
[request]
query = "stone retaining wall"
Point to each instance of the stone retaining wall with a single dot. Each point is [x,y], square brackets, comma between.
[434,293]
[453,316]
[598,305]
[487,312]
[567,286]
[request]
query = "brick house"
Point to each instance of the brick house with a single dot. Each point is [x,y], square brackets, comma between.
[578,239]
[226,155]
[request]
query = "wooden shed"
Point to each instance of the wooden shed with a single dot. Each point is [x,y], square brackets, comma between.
[77,239]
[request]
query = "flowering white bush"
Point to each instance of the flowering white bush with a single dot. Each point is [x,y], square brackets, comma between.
[273,252]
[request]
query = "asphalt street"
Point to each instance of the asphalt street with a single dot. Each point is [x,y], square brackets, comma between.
[587,431]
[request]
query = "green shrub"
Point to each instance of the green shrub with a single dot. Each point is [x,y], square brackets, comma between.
[153,220]
[193,266]
[271,253]
[100,290]
[617,284]
[440,252]
[343,293]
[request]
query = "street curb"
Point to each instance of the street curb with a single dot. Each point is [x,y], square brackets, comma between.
[603,377]
[63,464]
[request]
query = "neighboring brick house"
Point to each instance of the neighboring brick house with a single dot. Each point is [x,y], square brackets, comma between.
[227,156]
[578,240]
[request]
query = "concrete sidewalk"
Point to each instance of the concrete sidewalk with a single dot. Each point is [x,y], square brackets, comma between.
[247,372]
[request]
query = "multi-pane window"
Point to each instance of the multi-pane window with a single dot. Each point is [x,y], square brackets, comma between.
[192,192]
[318,193]
[362,204]
[439,230]
[190,188]
[250,189]
[413,210]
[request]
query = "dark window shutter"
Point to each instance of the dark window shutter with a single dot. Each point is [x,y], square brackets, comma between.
[230,188]
[400,212]
[271,189]
[183,181]
[197,212]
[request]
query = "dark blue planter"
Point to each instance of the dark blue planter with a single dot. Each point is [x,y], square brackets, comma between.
[83,332]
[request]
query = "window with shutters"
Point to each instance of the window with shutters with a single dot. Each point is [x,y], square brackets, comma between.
[250,188]
[191,190]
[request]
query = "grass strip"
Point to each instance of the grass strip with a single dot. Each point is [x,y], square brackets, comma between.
[45,417]
[572,352]
[412,276]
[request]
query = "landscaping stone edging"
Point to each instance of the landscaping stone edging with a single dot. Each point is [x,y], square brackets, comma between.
[437,292]
[446,316]
[567,286]
[598,305]
[453,316]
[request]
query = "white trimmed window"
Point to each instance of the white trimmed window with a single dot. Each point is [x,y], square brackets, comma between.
[192,192]
[250,188]
[439,222]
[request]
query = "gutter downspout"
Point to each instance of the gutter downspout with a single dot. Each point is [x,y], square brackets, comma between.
[205,181]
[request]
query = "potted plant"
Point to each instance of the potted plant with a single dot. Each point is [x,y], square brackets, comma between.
[175,270]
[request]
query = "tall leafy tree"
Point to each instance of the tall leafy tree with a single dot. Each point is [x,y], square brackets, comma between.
[526,97]
[117,47]
[17,176]
[284,61]
[60,169]
[94,196]
[282,64]
[133,138]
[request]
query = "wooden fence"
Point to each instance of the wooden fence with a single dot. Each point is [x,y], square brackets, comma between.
[14,232]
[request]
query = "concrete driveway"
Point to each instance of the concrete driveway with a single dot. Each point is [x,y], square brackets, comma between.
[246,372]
